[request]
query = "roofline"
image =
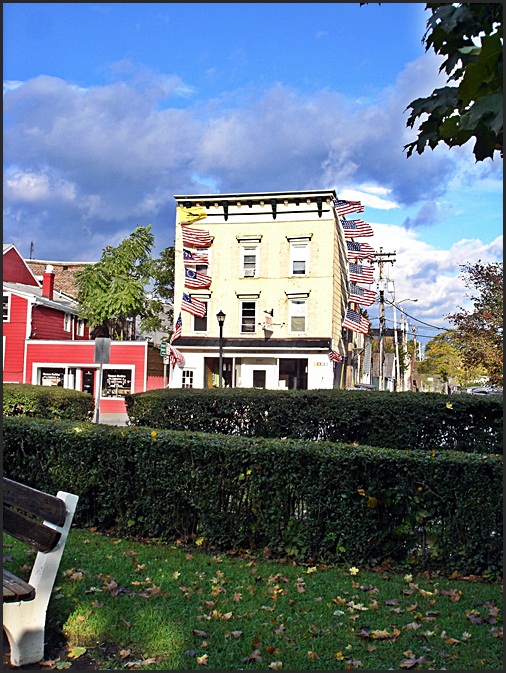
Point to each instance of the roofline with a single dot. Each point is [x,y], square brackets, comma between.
[259,195]
[48,261]
[10,246]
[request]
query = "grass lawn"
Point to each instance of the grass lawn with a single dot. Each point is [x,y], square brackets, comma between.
[129,605]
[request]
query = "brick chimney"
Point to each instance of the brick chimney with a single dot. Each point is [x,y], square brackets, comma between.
[48,282]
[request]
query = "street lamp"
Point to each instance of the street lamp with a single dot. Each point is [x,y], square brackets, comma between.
[221,320]
[397,362]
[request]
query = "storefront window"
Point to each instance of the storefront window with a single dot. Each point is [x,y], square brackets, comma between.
[116,382]
[52,376]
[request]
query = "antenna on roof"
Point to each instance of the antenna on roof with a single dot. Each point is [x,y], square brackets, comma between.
[31,250]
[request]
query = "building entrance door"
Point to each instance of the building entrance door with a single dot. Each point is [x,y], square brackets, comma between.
[88,380]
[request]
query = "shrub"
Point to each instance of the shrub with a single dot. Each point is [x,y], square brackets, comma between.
[395,420]
[302,499]
[49,402]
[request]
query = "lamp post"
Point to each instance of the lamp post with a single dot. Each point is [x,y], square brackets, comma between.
[221,320]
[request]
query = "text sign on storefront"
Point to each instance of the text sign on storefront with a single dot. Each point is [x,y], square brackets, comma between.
[102,350]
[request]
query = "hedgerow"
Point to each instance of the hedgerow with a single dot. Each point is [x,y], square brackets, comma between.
[395,420]
[304,499]
[51,402]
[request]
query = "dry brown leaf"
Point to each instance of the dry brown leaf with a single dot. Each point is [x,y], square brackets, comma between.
[312,656]
[275,665]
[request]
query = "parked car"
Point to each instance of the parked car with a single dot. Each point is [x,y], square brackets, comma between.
[484,390]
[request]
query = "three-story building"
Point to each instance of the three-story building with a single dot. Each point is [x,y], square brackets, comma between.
[276,265]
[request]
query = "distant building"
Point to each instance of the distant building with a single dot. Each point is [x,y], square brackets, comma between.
[278,269]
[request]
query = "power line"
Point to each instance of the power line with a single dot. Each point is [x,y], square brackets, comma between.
[442,329]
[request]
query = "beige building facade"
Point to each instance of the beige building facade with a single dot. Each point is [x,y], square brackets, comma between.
[277,268]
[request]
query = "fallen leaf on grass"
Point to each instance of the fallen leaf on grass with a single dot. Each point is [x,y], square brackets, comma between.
[351,664]
[312,656]
[125,653]
[234,634]
[50,663]
[203,660]
[455,594]
[275,665]
[141,662]
[200,634]
[76,652]
[254,656]
[63,664]
[411,663]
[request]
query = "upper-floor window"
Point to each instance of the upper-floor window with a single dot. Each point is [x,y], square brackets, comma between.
[67,322]
[249,261]
[7,307]
[200,324]
[80,328]
[298,315]
[299,259]
[248,316]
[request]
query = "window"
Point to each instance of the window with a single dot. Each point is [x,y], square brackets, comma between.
[299,258]
[80,328]
[200,324]
[67,321]
[116,382]
[297,315]
[7,307]
[248,316]
[249,261]
[187,378]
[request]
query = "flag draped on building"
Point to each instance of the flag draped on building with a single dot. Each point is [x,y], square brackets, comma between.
[335,356]
[361,274]
[361,295]
[176,357]
[191,257]
[358,250]
[192,214]
[356,228]
[193,306]
[194,279]
[343,207]
[197,238]
[178,328]
[356,322]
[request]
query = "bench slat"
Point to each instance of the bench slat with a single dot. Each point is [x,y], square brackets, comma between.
[16,589]
[30,500]
[29,531]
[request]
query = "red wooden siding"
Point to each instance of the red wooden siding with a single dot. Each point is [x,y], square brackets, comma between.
[14,331]
[47,323]
[15,269]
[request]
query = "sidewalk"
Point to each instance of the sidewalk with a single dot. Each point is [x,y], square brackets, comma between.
[113,419]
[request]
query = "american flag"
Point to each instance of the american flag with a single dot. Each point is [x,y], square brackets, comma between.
[198,238]
[176,357]
[194,279]
[361,274]
[335,356]
[356,228]
[193,257]
[361,295]
[178,328]
[343,207]
[356,322]
[189,215]
[358,250]
[193,306]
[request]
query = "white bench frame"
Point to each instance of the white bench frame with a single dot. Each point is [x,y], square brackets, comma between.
[24,621]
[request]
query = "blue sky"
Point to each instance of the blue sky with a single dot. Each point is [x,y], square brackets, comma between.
[111,109]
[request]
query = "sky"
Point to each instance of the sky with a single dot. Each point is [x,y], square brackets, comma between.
[111,109]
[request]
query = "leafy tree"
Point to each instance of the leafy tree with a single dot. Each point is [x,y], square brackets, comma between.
[479,333]
[474,107]
[443,359]
[163,274]
[113,290]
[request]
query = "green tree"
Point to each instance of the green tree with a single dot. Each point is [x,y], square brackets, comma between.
[479,333]
[443,359]
[113,290]
[474,106]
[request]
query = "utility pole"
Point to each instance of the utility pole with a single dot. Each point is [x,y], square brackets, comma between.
[381,258]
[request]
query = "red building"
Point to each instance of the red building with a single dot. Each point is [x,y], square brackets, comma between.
[45,343]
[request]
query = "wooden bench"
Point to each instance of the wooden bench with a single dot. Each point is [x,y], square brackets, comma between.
[41,521]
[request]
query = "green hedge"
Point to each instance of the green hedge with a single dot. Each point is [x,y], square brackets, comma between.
[305,499]
[394,420]
[49,402]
